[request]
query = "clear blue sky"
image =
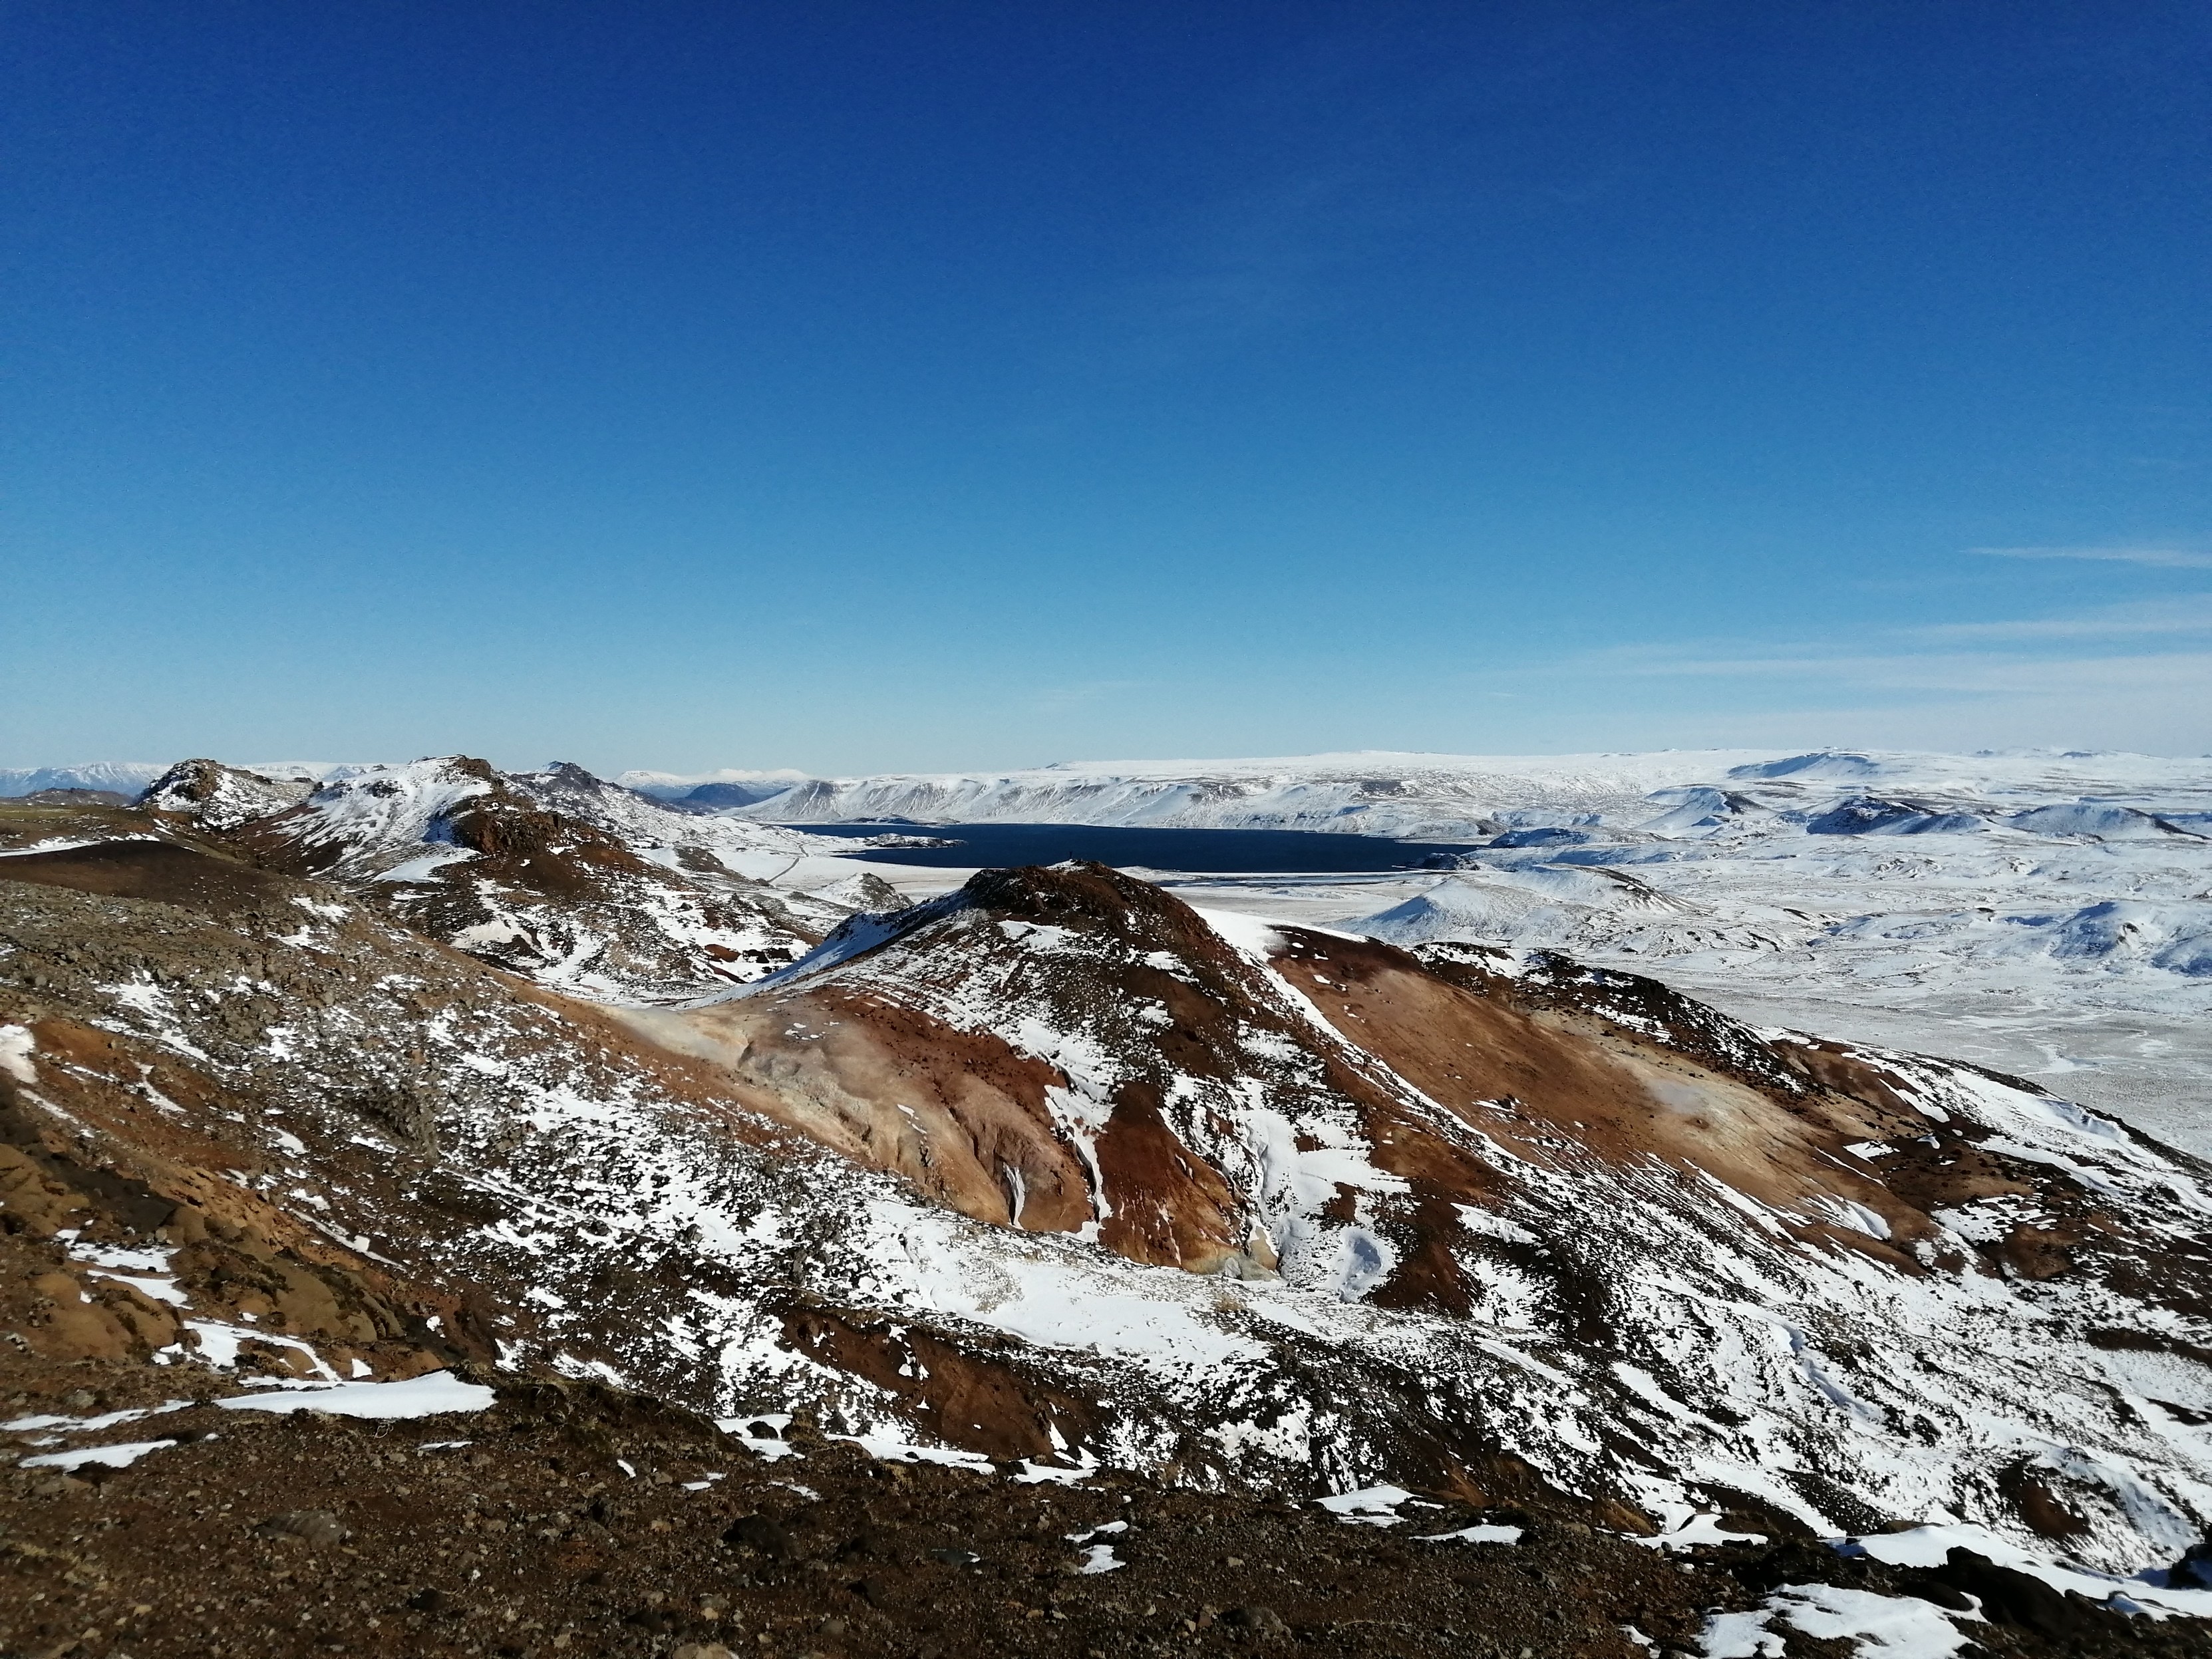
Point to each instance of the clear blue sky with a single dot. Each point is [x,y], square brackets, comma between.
[868,386]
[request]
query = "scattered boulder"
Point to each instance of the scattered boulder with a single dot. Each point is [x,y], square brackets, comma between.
[2195,1567]
[1263,1624]
[2011,1597]
[761,1534]
[319,1528]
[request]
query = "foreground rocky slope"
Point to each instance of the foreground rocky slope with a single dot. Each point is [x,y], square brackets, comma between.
[566,1518]
[1059,1170]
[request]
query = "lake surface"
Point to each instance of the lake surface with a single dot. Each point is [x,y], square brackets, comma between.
[1224,851]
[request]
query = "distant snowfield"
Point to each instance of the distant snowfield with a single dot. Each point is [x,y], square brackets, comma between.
[1369,792]
[1424,796]
[2044,914]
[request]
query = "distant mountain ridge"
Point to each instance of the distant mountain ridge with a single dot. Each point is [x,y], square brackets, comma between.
[1378,792]
[1450,797]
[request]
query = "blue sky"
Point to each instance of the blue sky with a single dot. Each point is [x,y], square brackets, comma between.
[861,386]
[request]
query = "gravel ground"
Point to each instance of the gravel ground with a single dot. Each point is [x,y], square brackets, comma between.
[573,1518]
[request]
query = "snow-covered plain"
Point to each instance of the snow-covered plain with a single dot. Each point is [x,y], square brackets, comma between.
[2047,915]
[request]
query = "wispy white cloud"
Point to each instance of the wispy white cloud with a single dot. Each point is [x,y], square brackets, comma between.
[1986,673]
[2189,613]
[2133,675]
[2167,558]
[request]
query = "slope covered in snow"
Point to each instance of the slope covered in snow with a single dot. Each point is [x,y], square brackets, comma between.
[1454,796]
[2042,912]
[112,777]
[729,786]
[2003,914]
[1439,797]
[129,778]
[1059,1168]
[1880,1271]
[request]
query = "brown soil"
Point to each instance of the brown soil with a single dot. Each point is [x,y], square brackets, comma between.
[156,869]
[75,797]
[267,1535]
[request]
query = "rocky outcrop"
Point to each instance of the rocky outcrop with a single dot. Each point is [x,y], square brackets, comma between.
[217,797]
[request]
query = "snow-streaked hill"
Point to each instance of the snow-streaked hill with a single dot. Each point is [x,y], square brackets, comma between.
[729,786]
[1440,797]
[1059,1168]
[114,777]
[130,777]
[2044,913]
[556,874]
[2049,915]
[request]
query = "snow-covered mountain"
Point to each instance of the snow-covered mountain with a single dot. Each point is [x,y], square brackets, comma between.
[1407,795]
[125,778]
[713,791]
[1511,1168]
[130,778]
[1462,797]
[2044,913]
[2049,915]
[556,874]
[1438,797]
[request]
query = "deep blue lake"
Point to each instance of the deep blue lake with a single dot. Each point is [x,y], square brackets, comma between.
[1303,852]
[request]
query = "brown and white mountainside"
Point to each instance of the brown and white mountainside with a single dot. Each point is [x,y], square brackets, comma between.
[555,874]
[1058,1171]
[1636,1239]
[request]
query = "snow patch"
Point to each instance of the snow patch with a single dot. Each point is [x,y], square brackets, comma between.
[114,1457]
[17,1047]
[432,1395]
